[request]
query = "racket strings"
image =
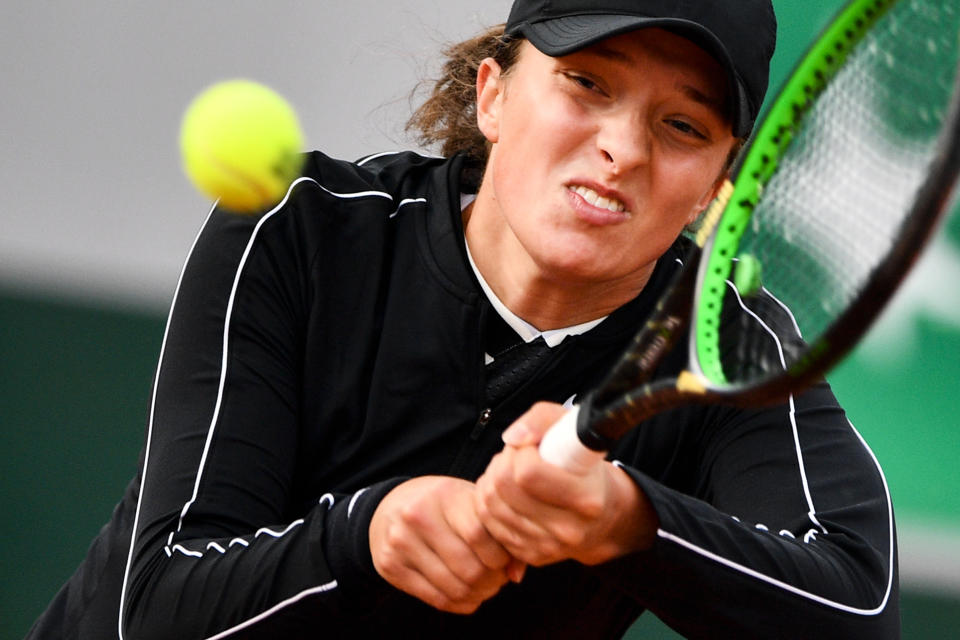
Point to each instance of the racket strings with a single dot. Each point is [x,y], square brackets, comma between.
[834,209]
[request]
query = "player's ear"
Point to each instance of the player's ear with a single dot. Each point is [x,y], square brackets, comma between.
[489,98]
[708,197]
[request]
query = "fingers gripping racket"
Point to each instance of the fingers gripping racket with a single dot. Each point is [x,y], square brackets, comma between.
[832,203]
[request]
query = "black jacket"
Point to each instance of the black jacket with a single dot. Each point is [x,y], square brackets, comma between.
[318,355]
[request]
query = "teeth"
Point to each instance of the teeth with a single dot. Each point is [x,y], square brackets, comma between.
[595,199]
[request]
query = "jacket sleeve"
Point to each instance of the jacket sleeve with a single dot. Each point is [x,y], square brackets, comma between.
[786,529]
[226,543]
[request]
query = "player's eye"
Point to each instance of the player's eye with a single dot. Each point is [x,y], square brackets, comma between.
[584,82]
[685,128]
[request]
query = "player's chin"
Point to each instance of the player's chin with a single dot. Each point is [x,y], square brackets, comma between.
[599,265]
[576,257]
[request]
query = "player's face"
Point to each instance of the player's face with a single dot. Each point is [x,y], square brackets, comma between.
[600,158]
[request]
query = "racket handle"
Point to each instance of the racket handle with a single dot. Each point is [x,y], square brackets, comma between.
[561,446]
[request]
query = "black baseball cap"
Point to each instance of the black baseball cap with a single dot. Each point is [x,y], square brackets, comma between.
[740,34]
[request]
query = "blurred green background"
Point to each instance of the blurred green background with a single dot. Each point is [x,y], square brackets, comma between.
[75,373]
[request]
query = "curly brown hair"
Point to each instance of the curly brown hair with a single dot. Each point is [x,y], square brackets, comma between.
[447,120]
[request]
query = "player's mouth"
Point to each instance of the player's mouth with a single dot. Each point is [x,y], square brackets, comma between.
[598,208]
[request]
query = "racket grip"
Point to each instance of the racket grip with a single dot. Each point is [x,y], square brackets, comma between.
[561,446]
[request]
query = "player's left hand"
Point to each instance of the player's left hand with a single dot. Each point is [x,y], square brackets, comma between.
[544,514]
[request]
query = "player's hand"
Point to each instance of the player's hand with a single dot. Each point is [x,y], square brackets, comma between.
[426,540]
[544,514]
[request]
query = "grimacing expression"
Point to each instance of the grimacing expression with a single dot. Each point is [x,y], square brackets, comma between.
[600,158]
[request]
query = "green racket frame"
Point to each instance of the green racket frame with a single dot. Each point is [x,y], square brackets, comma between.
[758,166]
[628,396]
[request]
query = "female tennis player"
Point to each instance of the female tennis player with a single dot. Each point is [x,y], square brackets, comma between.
[325,453]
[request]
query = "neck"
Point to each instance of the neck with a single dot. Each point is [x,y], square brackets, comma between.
[545,297]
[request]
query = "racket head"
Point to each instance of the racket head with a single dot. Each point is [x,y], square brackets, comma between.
[834,198]
[839,192]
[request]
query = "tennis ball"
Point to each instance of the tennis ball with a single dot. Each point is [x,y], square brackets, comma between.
[241,144]
[746,275]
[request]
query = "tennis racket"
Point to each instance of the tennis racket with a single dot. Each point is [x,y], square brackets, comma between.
[833,200]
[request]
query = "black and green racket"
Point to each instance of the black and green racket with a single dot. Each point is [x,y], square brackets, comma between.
[833,201]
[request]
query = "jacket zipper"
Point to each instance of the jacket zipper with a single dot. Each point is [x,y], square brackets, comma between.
[481,424]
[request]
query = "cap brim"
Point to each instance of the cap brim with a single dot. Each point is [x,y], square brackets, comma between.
[565,35]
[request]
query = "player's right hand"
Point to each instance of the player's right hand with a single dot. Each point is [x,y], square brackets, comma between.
[426,540]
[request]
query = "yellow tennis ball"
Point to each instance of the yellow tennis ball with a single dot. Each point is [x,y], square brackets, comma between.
[241,144]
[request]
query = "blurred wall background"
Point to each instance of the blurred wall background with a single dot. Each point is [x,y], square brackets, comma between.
[96,218]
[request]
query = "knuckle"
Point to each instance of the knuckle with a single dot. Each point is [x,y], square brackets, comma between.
[546,551]
[471,574]
[528,554]
[570,536]
[486,487]
[552,549]
[442,602]
[458,593]
[591,506]
[395,537]
[525,476]
[410,514]
[496,558]
[388,566]
[513,541]
[405,513]
[474,535]
[499,481]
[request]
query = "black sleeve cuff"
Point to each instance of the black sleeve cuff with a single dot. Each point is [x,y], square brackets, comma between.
[346,540]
